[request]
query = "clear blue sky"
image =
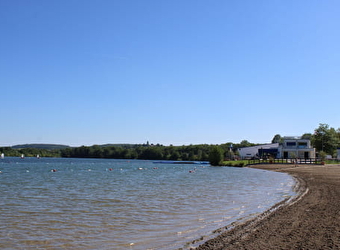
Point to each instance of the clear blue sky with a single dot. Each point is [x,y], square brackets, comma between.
[81,72]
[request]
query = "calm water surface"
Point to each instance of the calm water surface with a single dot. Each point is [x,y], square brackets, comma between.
[119,204]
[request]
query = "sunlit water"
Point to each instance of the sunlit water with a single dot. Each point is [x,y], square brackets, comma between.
[119,204]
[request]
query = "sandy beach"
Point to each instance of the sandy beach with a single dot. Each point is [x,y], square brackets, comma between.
[310,221]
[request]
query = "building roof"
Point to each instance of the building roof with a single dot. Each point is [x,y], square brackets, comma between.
[292,137]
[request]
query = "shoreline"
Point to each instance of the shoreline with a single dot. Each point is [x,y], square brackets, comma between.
[311,220]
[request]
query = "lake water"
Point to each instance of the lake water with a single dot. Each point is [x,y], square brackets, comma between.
[120,204]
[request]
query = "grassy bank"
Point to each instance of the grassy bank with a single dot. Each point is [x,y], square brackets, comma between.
[243,163]
[240,163]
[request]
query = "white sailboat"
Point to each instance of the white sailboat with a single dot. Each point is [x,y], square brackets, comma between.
[38,156]
[2,155]
[22,156]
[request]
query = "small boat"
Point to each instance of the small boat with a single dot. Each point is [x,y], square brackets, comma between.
[22,156]
[38,156]
[2,156]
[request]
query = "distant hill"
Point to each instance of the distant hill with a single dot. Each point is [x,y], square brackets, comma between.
[41,146]
[60,146]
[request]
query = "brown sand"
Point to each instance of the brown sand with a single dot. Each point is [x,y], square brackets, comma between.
[312,221]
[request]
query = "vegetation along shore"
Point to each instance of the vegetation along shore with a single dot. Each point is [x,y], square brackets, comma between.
[325,140]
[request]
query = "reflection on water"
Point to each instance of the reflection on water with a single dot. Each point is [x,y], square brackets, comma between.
[119,204]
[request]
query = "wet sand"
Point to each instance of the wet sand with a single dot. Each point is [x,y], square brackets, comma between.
[310,221]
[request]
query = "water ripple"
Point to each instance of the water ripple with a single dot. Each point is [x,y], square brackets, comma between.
[85,205]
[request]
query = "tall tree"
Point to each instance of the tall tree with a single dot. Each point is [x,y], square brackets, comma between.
[325,139]
[216,156]
[277,138]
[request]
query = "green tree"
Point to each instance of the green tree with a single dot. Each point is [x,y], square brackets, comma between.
[325,139]
[277,139]
[245,143]
[152,153]
[307,136]
[95,151]
[216,156]
[174,156]
[107,152]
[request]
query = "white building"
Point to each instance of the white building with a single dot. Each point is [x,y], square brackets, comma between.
[291,147]
[253,152]
[295,147]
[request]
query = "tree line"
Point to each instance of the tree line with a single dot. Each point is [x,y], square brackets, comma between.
[131,151]
[325,139]
[145,152]
[30,152]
